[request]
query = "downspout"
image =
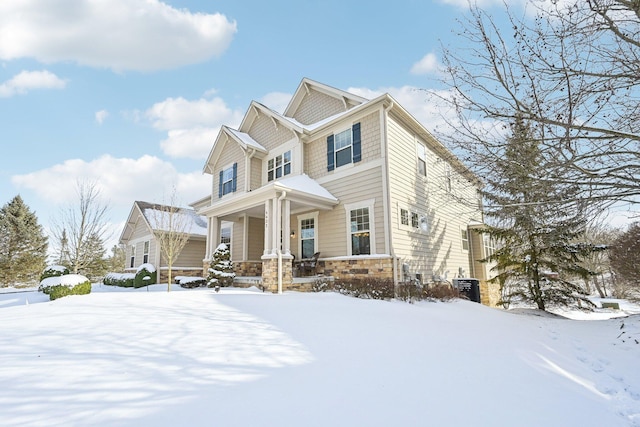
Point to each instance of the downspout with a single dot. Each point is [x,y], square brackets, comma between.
[279,222]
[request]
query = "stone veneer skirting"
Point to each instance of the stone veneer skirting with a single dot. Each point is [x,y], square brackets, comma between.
[357,268]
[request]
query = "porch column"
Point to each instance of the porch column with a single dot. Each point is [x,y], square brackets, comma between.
[286,227]
[268,220]
[213,237]
[275,227]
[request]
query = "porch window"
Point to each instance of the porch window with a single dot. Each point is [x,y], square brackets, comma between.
[465,239]
[279,166]
[307,237]
[415,223]
[225,235]
[360,232]
[344,147]
[228,178]
[422,159]
[145,253]
[132,260]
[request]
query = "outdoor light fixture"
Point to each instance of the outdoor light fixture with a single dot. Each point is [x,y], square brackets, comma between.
[293,234]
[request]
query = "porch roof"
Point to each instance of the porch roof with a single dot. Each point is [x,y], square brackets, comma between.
[303,192]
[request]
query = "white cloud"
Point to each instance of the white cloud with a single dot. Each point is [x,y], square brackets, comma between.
[122,35]
[191,126]
[277,101]
[120,181]
[427,65]
[101,116]
[29,80]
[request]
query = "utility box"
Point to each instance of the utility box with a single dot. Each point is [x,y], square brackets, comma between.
[468,288]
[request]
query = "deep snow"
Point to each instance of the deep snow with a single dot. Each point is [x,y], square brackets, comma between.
[125,357]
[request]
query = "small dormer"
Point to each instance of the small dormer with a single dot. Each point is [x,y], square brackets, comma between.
[313,102]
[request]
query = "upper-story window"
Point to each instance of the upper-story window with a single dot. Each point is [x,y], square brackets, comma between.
[228,178]
[279,166]
[344,147]
[422,159]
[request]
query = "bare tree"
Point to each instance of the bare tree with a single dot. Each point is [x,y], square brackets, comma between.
[573,71]
[171,226]
[81,230]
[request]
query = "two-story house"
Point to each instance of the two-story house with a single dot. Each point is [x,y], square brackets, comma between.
[359,181]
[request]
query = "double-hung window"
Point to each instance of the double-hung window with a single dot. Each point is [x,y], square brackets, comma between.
[344,147]
[132,260]
[307,237]
[422,159]
[360,232]
[225,234]
[228,178]
[279,166]
[145,253]
[464,235]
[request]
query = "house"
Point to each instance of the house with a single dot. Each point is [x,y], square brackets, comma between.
[141,246]
[358,181]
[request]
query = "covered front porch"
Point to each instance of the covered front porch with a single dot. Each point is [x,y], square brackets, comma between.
[262,236]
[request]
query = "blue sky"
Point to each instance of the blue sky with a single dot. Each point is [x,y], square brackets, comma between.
[131,93]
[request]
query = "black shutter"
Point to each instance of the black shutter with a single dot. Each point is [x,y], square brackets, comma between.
[357,146]
[330,156]
[220,184]
[235,177]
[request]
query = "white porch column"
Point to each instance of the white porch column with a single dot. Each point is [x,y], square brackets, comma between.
[213,235]
[286,227]
[277,226]
[268,221]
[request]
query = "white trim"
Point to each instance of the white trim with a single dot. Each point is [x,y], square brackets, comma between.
[370,205]
[346,171]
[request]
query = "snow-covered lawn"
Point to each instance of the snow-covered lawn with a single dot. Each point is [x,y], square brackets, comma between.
[127,357]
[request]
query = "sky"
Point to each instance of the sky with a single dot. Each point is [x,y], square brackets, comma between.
[130,94]
[241,357]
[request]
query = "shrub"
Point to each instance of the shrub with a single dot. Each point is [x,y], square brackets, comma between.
[124,280]
[68,284]
[360,288]
[221,268]
[190,282]
[54,271]
[145,275]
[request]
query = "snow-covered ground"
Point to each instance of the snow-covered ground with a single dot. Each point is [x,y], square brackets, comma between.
[125,357]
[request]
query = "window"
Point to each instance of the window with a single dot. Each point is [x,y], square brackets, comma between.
[145,253]
[422,159]
[225,235]
[360,232]
[228,178]
[404,217]
[414,220]
[489,247]
[344,147]
[279,166]
[307,237]
[465,239]
[132,261]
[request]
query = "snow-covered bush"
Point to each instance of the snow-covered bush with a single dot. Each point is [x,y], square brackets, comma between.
[54,271]
[190,282]
[146,275]
[374,288]
[221,268]
[124,280]
[68,284]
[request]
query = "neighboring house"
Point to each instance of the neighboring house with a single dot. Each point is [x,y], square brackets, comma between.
[141,245]
[360,181]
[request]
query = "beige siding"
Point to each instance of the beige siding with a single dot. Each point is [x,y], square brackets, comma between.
[317,106]
[256,173]
[192,255]
[256,239]
[332,228]
[268,133]
[439,250]
[316,151]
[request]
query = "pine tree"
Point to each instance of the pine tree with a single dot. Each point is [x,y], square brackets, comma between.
[536,223]
[23,245]
[221,268]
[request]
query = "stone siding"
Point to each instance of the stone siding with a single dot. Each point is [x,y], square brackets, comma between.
[357,268]
[490,294]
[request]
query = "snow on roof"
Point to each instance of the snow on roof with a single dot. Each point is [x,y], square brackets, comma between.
[158,218]
[305,184]
[246,139]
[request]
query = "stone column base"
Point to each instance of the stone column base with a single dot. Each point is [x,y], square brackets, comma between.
[270,272]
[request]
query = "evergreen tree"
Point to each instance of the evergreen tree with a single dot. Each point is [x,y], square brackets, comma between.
[23,245]
[537,257]
[625,261]
[116,261]
[221,268]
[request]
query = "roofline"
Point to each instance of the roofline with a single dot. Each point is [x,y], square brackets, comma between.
[321,87]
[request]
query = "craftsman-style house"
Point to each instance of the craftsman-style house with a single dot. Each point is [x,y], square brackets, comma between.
[358,183]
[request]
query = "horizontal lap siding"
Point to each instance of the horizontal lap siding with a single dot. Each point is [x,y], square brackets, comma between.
[256,174]
[440,249]
[256,238]
[191,255]
[332,227]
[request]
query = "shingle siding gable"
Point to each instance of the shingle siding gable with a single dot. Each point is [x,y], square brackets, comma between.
[317,106]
